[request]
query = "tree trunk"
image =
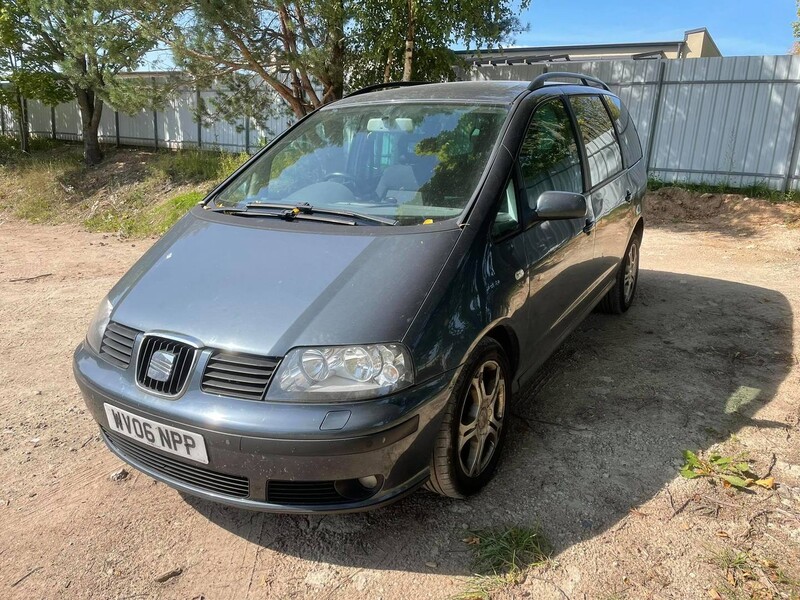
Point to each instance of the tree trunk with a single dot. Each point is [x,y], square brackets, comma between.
[337,52]
[91,110]
[387,70]
[24,137]
[408,64]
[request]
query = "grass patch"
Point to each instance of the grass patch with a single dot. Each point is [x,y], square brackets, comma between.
[185,166]
[747,575]
[133,192]
[145,220]
[500,558]
[756,190]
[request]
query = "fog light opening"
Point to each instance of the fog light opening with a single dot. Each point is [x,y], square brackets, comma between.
[369,482]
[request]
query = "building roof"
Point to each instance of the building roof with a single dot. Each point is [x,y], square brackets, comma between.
[608,51]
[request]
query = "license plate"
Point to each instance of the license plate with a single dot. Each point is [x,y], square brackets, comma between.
[170,439]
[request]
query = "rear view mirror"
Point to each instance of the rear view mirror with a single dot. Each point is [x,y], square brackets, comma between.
[560,205]
[388,124]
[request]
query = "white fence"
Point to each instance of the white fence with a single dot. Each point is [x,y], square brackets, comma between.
[173,127]
[729,120]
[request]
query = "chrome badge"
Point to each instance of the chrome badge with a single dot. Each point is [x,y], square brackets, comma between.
[161,364]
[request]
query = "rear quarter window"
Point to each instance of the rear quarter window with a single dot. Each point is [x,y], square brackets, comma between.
[599,137]
[629,138]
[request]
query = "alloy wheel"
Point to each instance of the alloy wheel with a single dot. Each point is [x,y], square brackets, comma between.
[481,418]
[631,271]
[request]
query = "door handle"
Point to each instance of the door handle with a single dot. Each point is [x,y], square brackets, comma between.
[628,196]
[589,227]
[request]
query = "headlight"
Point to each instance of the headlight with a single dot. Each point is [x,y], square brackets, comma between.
[342,373]
[94,337]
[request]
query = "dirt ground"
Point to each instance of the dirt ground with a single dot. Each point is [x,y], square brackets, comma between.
[705,359]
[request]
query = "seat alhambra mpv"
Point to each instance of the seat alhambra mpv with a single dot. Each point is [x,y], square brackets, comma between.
[346,318]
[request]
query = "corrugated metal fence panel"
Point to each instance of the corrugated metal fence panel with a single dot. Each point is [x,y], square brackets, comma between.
[39,119]
[137,129]
[220,134]
[177,127]
[8,121]
[108,127]
[728,120]
[68,121]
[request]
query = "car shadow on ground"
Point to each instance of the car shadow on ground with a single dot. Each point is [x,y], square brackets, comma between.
[600,432]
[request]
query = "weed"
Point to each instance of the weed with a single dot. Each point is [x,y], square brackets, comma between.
[501,556]
[747,575]
[732,472]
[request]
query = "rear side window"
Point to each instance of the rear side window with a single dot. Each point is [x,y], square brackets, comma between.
[549,159]
[599,137]
[631,146]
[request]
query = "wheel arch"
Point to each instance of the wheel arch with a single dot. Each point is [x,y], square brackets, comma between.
[505,336]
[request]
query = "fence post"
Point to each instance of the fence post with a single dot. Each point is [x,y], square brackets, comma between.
[791,163]
[247,134]
[3,120]
[199,119]
[116,128]
[155,118]
[651,139]
[53,122]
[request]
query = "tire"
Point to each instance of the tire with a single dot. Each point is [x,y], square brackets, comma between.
[620,297]
[460,466]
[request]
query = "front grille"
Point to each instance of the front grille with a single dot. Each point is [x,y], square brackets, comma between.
[238,375]
[117,345]
[303,492]
[219,483]
[181,364]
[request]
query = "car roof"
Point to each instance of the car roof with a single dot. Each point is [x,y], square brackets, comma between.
[488,92]
[498,92]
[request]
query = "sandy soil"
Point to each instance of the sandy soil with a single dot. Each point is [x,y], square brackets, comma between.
[706,358]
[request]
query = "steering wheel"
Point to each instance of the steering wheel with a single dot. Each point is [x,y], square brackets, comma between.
[344,178]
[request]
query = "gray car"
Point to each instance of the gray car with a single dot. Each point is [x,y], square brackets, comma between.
[346,318]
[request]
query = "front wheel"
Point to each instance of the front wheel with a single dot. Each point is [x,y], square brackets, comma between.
[467,448]
[620,297]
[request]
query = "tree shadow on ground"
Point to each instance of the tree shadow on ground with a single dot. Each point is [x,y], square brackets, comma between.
[600,433]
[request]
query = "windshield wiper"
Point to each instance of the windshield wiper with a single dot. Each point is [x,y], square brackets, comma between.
[305,208]
[286,214]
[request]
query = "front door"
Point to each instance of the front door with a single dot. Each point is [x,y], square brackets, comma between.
[559,252]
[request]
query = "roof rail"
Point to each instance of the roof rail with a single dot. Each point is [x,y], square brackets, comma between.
[384,86]
[540,81]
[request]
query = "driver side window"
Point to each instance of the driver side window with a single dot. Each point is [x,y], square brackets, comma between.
[549,159]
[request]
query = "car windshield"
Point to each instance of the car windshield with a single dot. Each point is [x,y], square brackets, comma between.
[412,163]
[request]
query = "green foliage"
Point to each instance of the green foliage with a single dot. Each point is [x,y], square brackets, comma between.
[55,50]
[796,24]
[731,472]
[500,557]
[379,31]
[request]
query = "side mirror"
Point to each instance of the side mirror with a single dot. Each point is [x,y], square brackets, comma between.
[560,205]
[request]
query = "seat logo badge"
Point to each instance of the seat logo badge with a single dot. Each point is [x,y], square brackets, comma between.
[161,364]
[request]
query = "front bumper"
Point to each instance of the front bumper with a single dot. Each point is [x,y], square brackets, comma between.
[256,448]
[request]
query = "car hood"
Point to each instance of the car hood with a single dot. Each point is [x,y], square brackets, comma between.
[244,285]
